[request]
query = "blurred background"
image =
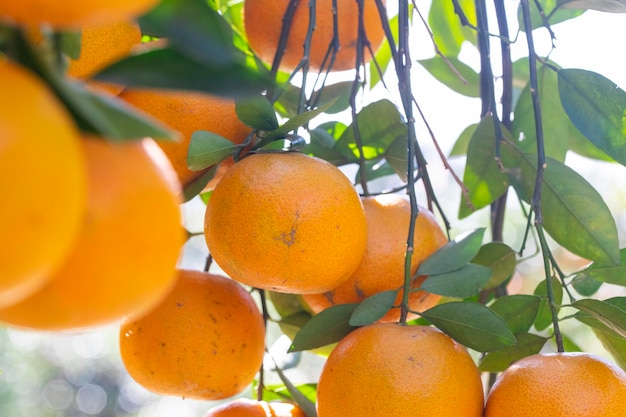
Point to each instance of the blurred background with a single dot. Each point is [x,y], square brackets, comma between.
[80,374]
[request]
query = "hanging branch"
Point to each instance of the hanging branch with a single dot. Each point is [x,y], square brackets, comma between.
[541,165]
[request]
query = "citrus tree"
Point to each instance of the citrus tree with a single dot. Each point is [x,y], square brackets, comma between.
[300,129]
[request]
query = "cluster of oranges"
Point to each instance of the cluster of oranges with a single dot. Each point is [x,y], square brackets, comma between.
[94,235]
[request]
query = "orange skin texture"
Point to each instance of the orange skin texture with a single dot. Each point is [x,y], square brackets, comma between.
[125,257]
[382,266]
[42,206]
[559,385]
[205,340]
[187,112]
[244,407]
[263,24]
[388,369]
[286,222]
[72,15]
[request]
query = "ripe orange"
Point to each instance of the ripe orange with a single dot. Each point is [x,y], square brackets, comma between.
[206,340]
[102,45]
[187,112]
[125,257]
[263,24]
[72,14]
[286,222]
[388,369]
[243,407]
[559,385]
[42,183]
[382,266]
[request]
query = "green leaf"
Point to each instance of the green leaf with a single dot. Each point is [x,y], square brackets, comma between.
[195,28]
[574,213]
[383,56]
[338,95]
[498,257]
[471,324]
[374,169]
[169,68]
[611,6]
[198,184]
[257,112]
[611,341]
[519,311]
[551,9]
[206,149]
[610,315]
[596,106]
[462,142]
[292,124]
[321,143]
[585,285]
[611,274]
[110,117]
[285,304]
[454,254]
[483,177]
[464,282]
[557,129]
[373,308]
[397,157]
[305,403]
[379,125]
[499,360]
[456,75]
[448,32]
[329,326]
[544,315]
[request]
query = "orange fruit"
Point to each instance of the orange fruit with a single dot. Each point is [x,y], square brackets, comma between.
[101,46]
[244,407]
[67,14]
[388,369]
[286,222]
[263,24]
[559,385]
[125,257]
[205,340]
[42,183]
[187,112]
[382,266]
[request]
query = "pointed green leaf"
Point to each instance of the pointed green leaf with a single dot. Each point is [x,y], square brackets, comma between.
[198,184]
[454,254]
[611,274]
[464,282]
[397,156]
[379,125]
[374,169]
[292,124]
[448,32]
[206,149]
[615,345]
[544,315]
[471,324]
[462,143]
[193,27]
[329,326]
[557,128]
[257,112]
[596,106]
[456,75]
[611,6]
[519,311]
[574,213]
[610,315]
[483,178]
[170,68]
[585,284]
[305,403]
[498,257]
[549,8]
[383,56]
[373,308]
[499,360]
